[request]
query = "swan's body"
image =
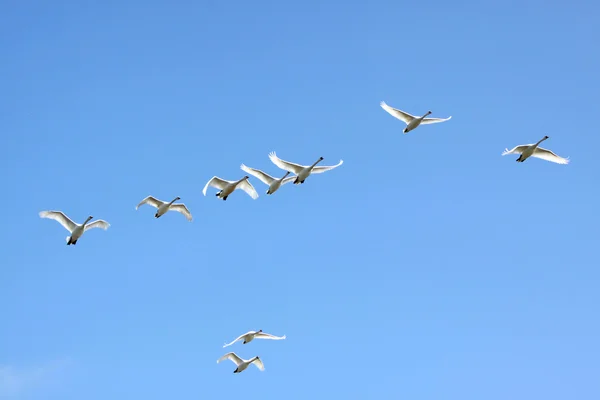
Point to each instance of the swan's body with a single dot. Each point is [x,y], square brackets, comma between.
[302,171]
[267,179]
[76,230]
[249,336]
[533,150]
[241,363]
[162,207]
[411,121]
[227,187]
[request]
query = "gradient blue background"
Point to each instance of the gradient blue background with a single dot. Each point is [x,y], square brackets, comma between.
[427,266]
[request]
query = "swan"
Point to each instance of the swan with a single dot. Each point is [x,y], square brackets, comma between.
[249,336]
[164,207]
[267,179]
[241,363]
[411,121]
[301,171]
[532,150]
[227,187]
[75,229]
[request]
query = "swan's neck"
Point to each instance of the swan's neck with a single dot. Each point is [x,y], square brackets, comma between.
[286,174]
[426,114]
[316,162]
[87,220]
[173,201]
[240,181]
[541,140]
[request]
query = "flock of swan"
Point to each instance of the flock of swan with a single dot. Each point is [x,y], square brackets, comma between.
[300,174]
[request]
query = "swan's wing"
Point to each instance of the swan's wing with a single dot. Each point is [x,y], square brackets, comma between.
[434,120]
[320,170]
[516,150]
[288,179]
[547,155]
[181,208]
[238,338]
[262,335]
[233,357]
[99,223]
[257,173]
[401,115]
[286,165]
[259,364]
[61,218]
[153,201]
[215,182]
[248,188]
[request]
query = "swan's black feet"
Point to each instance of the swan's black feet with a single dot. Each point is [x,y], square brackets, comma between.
[225,198]
[236,371]
[302,182]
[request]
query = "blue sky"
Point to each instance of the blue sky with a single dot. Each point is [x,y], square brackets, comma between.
[427,266]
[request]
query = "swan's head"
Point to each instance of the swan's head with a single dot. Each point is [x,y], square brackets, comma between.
[246,177]
[546,137]
[90,217]
[321,158]
[260,330]
[177,198]
[428,112]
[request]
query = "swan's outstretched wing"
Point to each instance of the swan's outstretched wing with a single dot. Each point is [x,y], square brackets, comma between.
[215,182]
[288,179]
[259,364]
[547,155]
[401,115]
[427,121]
[61,218]
[248,188]
[285,165]
[233,357]
[320,170]
[516,150]
[257,173]
[238,338]
[262,335]
[181,208]
[99,223]
[153,201]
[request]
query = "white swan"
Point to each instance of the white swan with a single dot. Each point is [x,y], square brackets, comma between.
[75,229]
[163,207]
[249,336]
[532,150]
[411,121]
[267,179]
[241,363]
[227,187]
[301,171]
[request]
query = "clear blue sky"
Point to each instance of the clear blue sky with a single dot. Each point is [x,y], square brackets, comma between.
[427,266]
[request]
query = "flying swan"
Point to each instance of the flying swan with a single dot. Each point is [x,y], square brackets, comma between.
[75,229]
[163,207]
[267,179]
[249,336]
[301,171]
[532,150]
[241,363]
[227,187]
[411,121]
